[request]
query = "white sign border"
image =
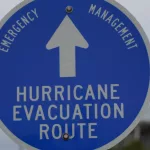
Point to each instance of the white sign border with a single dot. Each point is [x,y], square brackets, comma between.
[141,113]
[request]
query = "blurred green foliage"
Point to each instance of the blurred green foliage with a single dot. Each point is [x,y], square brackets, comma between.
[132,146]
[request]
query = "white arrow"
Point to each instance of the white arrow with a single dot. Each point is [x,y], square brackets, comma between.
[67,37]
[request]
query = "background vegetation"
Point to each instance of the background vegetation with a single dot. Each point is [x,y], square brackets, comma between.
[133,146]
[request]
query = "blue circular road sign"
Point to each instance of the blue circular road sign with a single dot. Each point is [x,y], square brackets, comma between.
[74,74]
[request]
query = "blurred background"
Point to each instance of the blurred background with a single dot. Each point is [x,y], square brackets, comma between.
[139,139]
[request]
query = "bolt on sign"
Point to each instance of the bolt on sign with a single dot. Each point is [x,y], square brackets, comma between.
[74,74]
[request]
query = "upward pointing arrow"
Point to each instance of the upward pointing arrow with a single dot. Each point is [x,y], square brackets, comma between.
[67,37]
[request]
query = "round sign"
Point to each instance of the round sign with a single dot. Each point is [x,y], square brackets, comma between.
[74,74]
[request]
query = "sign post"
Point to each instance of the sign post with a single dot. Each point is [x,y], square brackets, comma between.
[74,74]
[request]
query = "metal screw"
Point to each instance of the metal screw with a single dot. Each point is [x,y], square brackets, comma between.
[66,137]
[69,9]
